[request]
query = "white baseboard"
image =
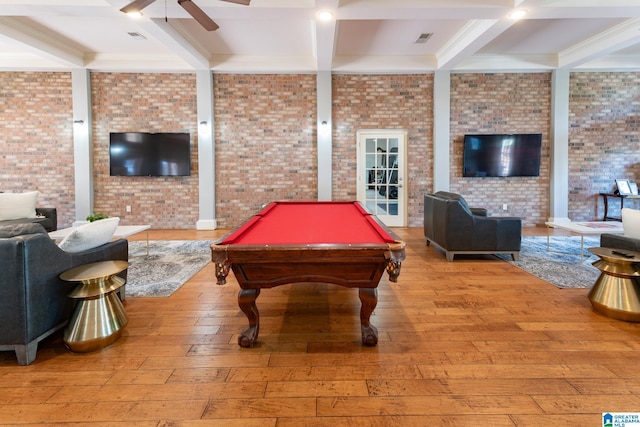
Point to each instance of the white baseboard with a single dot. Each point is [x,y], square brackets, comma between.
[206,224]
[558,220]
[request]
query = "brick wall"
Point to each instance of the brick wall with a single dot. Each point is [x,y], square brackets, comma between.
[36,142]
[502,103]
[265,138]
[124,102]
[265,131]
[604,140]
[403,102]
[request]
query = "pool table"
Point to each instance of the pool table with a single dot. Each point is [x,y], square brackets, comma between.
[309,241]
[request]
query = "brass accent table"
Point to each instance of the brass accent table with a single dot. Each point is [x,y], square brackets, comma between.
[616,293]
[99,316]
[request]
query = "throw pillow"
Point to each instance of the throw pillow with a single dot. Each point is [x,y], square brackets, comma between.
[631,223]
[89,236]
[18,205]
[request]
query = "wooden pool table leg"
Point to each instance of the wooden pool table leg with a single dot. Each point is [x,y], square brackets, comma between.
[247,303]
[369,300]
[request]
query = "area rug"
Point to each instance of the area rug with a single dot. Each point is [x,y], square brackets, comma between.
[560,265]
[169,265]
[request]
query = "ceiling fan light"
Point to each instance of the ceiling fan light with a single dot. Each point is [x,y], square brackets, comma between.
[134,14]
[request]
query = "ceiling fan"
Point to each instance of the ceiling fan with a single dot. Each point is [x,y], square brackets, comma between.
[191,8]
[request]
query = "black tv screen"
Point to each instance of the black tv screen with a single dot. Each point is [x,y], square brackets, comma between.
[149,154]
[502,155]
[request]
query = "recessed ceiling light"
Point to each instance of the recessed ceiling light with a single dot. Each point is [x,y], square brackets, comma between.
[135,14]
[325,15]
[518,14]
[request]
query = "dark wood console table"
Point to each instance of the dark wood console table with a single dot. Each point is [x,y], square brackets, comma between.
[605,197]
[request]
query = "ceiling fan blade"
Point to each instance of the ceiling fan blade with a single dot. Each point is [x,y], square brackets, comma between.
[244,2]
[136,6]
[198,14]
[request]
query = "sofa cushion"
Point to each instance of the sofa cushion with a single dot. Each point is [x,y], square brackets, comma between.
[7,231]
[631,223]
[18,205]
[90,235]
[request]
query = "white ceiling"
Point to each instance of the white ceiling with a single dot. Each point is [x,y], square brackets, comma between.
[283,36]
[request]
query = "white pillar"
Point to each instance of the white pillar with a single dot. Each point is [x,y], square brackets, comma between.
[82,144]
[559,150]
[206,152]
[324,134]
[441,130]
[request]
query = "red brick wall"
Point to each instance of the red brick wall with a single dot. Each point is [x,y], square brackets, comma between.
[124,102]
[265,131]
[502,103]
[36,142]
[260,118]
[604,140]
[403,102]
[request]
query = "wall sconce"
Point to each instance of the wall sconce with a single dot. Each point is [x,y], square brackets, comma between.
[78,122]
[324,127]
[203,126]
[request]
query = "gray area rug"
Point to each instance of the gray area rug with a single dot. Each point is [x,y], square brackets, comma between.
[559,266]
[169,265]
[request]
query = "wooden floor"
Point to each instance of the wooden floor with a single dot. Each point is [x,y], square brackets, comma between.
[475,342]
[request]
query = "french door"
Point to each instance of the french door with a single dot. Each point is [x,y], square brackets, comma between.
[381,174]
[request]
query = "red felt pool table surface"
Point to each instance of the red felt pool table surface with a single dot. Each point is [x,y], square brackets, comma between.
[303,223]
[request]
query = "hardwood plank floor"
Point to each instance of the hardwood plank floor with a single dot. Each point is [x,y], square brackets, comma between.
[475,342]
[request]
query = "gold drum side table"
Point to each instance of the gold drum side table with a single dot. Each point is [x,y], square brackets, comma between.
[616,293]
[99,316]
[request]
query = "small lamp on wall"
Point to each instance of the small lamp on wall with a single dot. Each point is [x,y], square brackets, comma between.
[203,126]
[324,127]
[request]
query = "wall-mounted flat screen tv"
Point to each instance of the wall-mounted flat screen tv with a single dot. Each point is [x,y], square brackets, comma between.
[149,154]
[502,155]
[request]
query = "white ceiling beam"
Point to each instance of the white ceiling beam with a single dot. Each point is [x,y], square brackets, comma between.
[472,36]
[324,35]
[167,34]
[38,43]
[613,39]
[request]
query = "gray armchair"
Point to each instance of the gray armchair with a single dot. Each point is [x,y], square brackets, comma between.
[452,225]
[33,300]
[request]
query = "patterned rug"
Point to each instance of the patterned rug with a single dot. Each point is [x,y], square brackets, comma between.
[560,265]
[169,265]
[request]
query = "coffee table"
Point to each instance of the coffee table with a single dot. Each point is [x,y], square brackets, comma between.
[588,228]
[122,232]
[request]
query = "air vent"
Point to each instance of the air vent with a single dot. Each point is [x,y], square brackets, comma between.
[423,38]
[137,36]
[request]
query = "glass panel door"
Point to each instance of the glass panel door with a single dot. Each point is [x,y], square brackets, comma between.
[381,174]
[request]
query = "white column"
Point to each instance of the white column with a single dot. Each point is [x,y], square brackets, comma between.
[324,129]
[559,150]
[206,151]
[82,144]
[441,130]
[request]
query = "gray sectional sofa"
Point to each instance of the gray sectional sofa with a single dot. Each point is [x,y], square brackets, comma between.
[33,300]
[47,217]
[618,241]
